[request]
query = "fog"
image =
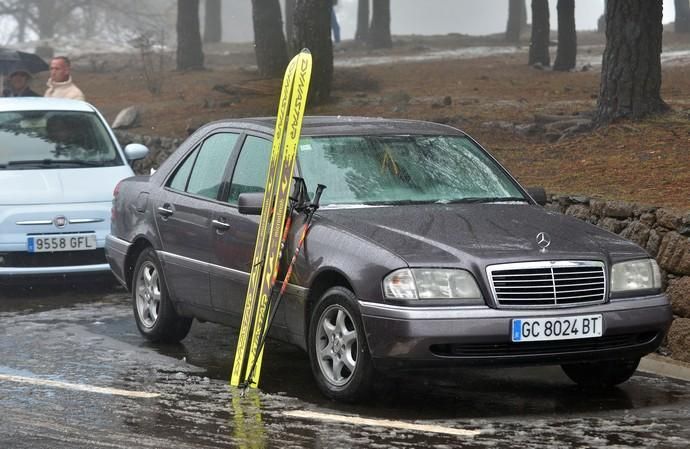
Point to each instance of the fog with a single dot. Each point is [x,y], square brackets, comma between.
[427,17]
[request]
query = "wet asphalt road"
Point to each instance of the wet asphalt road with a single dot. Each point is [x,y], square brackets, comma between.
[84,336]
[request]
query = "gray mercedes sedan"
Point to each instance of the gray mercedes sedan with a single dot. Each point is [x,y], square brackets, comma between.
[425,253]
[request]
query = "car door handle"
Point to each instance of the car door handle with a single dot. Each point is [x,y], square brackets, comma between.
[164,211]
[220,225]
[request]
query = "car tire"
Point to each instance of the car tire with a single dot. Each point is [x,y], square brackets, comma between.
[338,351]
[601,375]
[156,318]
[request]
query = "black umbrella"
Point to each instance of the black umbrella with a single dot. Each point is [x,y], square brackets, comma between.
[11,60]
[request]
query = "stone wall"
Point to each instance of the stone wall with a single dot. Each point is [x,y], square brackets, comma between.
[663,233]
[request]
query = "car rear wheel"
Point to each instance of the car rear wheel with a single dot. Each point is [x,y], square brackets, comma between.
[340,359]
[604,374]
[155,316]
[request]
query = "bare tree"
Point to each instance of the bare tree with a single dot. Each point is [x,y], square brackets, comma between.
[516,18]
[380,29]
[566,54]
[601,22]
[682,24]
[362,33]
[541,34]
[313,31]
[631,69]
[190,55]
[269,41]
[213,24]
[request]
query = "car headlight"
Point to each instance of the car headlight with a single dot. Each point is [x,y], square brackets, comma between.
[635,275]
[430,283]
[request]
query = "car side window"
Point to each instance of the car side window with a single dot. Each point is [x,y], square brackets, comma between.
[206,166]
[250,171]
[179,179]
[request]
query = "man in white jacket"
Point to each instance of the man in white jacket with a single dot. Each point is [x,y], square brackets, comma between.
[60,84]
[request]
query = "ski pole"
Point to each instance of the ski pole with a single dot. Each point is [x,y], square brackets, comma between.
[309,210]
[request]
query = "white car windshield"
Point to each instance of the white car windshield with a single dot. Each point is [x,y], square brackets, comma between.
[54,139]
[387,170]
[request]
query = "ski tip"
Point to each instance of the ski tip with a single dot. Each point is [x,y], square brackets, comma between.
[306,50]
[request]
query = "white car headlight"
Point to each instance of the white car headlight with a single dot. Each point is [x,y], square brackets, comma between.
[635,275]
[430,283]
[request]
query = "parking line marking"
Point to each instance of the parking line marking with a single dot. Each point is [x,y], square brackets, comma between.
[427,428]
[77,387]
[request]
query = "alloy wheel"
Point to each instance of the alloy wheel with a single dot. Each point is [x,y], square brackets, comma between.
[336,345]
[148,294]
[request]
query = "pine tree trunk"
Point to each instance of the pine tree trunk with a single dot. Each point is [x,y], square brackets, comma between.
[290,25]
[313,31]
[567,36]
[190,55]
[541,28]
[213,24]
[682,24]
[46,18]
[380,29]
[269,41]
[631,69]
[362,33]
[516,10]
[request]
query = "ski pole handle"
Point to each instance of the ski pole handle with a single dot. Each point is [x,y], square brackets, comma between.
[317,196]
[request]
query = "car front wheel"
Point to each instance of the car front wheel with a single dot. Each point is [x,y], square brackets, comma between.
[156,318]
[604,374]
[340,359]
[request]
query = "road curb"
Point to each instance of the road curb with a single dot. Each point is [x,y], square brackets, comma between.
[664,366]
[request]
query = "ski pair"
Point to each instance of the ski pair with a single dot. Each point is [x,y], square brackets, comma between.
[267,249]
[309,210]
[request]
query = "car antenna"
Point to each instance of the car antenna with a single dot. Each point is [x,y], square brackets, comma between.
[309,210]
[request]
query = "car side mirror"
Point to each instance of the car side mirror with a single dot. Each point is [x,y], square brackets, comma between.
[250,203]
[538,194]
[136,151]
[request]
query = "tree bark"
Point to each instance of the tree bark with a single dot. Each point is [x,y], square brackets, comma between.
[190,55]
[269,42]
[213,23]
[313,31]
[567,36]
[290,24]
[541,28]
[380,29]
[631,68]
[516,9]
[682,24]
[362,33]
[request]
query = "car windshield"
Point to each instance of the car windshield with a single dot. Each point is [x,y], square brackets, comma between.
[54,139]
[387,170]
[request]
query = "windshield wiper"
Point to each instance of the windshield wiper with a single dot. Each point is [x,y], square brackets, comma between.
[490,199]
[51,163]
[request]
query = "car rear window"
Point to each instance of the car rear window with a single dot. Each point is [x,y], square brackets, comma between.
[55,139]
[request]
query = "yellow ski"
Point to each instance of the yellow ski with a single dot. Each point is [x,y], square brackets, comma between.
[266,251]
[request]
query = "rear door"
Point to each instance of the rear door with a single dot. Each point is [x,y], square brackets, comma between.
[183,217]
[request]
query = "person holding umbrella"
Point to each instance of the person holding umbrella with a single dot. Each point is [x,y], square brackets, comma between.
[18,85]
[60,84]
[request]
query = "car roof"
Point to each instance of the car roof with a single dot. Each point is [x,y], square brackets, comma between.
[43,104]
[346,125]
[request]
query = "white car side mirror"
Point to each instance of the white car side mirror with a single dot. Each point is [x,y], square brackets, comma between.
[136,151]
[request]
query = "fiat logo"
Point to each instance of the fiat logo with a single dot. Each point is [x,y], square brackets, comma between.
[543,240]
[60,221]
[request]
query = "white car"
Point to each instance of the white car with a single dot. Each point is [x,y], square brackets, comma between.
[59,165]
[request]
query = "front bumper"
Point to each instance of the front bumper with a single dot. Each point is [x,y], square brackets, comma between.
[409,337]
